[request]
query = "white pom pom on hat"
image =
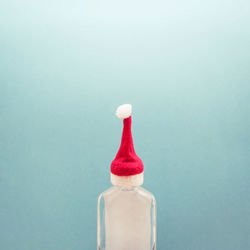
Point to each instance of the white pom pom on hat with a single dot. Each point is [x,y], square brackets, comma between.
[124,111]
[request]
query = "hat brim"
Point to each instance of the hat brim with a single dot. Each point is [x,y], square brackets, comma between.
[131,180]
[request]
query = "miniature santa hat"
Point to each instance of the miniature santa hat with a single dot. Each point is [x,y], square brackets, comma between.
[127,167]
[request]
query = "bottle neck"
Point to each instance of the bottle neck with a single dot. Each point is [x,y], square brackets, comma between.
[126,188]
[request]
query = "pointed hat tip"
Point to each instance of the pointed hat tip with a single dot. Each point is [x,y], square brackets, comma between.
[124,111]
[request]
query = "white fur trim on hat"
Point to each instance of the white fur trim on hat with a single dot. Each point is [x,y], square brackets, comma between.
[132,180]
[124,111]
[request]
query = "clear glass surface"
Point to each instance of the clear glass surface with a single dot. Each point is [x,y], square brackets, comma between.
[126,219]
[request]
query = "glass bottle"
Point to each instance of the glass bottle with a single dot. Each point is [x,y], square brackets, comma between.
[126,217]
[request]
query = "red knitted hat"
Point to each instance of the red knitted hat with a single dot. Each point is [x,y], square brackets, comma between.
[127,167]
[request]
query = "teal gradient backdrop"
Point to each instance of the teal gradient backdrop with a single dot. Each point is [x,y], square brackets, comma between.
[64,68]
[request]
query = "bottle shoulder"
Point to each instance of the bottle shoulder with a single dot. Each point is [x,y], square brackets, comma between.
[107,192]
[145,192]
[120,191]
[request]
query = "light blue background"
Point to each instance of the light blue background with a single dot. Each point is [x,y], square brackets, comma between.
[64,68]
